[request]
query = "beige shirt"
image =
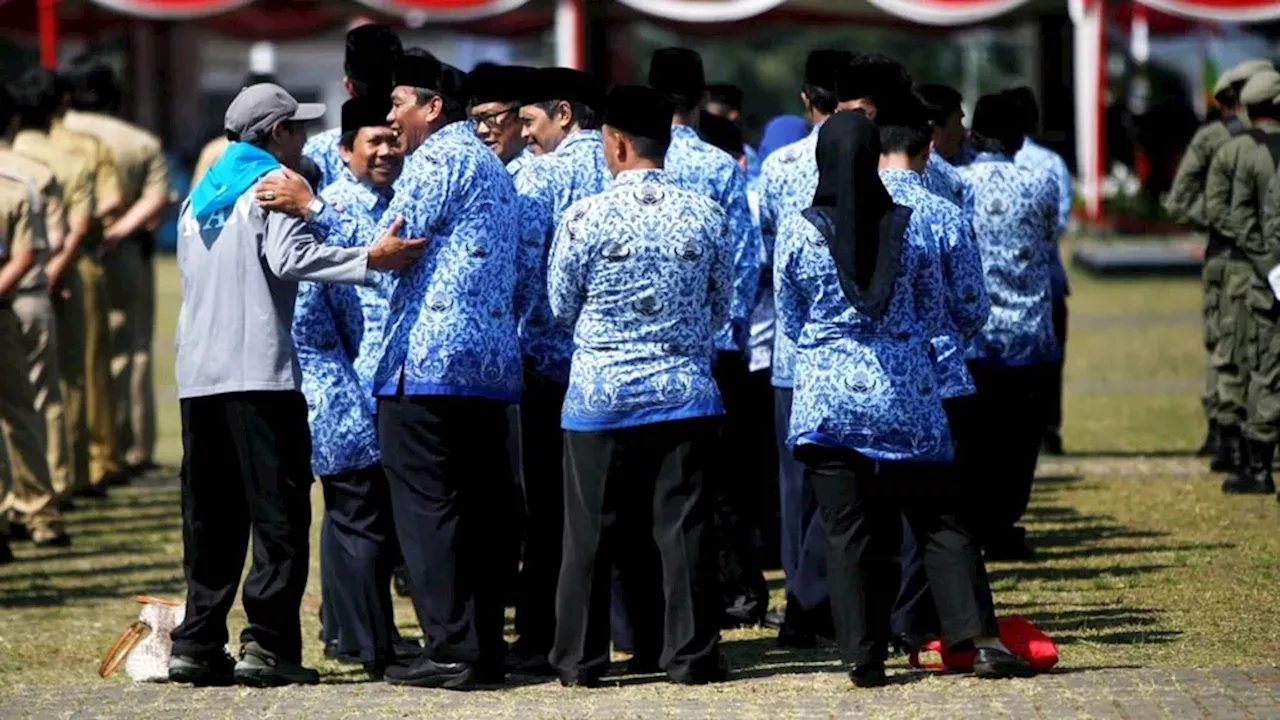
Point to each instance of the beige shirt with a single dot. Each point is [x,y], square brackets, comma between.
[39,174]
[138,155]
[19,201]
[73,171]
[106,179]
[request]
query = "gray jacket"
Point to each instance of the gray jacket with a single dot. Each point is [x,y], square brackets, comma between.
[239,283]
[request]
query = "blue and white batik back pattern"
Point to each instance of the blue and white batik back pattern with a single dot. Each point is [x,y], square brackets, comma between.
[1015,221]
[322,149]
[642,272]
[700,167]
[863,384]
[1035,156]
[788,179]
[967,304]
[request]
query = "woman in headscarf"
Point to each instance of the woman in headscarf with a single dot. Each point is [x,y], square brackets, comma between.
[856,286]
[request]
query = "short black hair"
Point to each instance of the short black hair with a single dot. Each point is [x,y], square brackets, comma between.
[451,108]
[1265,109]
[1028,110]
[93,85]
[1228,97]
[822,99]
[939,101]
[649,148]
[726,94]
[347,139]
[582,113]
[903,121]
[910,139]
[37,96]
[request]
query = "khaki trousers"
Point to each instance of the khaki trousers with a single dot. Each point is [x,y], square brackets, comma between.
[69,307]
[104,457]
[31,491]
[131,297]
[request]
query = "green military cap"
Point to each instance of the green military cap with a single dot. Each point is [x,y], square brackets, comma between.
[1263,87]
[1241,72]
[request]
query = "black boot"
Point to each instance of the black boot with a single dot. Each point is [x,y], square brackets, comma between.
[1255,478]
[1210,446]
[1230,450]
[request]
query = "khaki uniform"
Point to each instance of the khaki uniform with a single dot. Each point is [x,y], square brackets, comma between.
[1249,213]
[26,471]
[1185,204]
[53,371]
[142,171]
[84,342]
[209,155]
[1231,354]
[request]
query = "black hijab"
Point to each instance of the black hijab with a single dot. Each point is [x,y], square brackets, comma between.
[862,226]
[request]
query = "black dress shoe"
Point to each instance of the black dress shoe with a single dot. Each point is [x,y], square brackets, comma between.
[643,666]
[212,670]
[993,663]
[346,658]
[535,665]
[579,680]
[1052,443]
[429,673]
[794,635]
[407,650]
[704,674]
[868,675]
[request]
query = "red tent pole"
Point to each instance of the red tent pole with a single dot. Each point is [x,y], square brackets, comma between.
[47,13]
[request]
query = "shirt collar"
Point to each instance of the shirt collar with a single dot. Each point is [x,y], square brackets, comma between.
[683,131]
[992,157]
[901,175]
[367,195]
[632,177]
[582,137]
[816,127]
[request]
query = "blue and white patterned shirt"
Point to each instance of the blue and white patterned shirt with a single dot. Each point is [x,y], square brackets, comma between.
[452,327]
[642,272]
[536,229]
[863,384]
[788,180]
[1015,219]
[967,303]
[338,332]
[575,170]
[700,167]
[322,149]
[753,163]
[943,180]
[1035,156]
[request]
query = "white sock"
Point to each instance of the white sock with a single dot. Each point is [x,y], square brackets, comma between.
[990,642]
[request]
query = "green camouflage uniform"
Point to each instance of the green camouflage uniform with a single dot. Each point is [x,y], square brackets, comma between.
[1185,204]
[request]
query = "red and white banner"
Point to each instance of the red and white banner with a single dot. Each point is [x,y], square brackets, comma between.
[1226,11]
[172,9]
[423,11]
[947,12]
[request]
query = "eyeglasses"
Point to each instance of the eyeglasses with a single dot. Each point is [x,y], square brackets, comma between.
[493,120]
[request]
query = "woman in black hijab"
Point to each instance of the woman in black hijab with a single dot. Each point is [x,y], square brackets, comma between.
[857,279]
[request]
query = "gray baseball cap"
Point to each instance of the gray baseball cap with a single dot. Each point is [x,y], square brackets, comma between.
[259,107]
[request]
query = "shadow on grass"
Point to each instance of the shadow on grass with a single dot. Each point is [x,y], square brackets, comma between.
[55,574]
[45,596]
[1178,453]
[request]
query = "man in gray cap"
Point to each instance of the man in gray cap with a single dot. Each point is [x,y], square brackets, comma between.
[1185,204]
[246,445]
[1255,164]
[1243,280]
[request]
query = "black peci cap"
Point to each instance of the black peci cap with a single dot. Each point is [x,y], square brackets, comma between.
[490,83]
[568,85]
[371,56]
[365,111]
[822,66]
[640,111]
[677,72]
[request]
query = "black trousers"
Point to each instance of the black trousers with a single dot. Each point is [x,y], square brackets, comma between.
[543,482]
[447,467]
[997,448]
[861,502]
[246,470]
[638,496]
[761,457]
[804,542]
[738,499]
[360,550]
[1053,374]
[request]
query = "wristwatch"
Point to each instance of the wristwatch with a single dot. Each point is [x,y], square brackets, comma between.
[314,208]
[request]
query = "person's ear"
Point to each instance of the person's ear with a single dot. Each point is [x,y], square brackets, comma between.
[564,114]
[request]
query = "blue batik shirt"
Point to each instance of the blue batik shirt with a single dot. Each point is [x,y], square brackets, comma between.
[1015,220]
[1037,157]
[967,303]
[454,311]
[536,230]
[788,180]
[642,272]
[753,163]
[700,167]
[322,149]
[863,384]
[338,333]
[575,170]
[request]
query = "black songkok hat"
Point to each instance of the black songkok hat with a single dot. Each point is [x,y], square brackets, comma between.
[640,111]
[902,109]
[822,67]
[365,111]
[372,52]
[453,83]
[499,83]
[678,73]
[872,75]
[567,85]
[725,94]
[419,70]
[721,132]
[996,117]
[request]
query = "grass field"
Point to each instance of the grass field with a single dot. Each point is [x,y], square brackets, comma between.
[1144,561]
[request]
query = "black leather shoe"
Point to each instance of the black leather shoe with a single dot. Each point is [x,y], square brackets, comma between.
[428,673]
[1255,477]
[1052,443]
[868,675]
[331,652]
[705,674]
[212,670]
[794,635]
[579,680]
[535,665]
[993,663]
[643,666]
